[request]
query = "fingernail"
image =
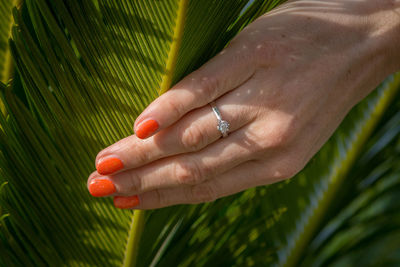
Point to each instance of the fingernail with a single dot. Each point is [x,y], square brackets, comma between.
[101,187]
[109,165]
[146,129]
[126,202]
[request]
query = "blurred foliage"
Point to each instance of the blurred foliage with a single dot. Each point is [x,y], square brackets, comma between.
[362,226]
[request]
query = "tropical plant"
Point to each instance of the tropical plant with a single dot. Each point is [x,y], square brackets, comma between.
[85,69]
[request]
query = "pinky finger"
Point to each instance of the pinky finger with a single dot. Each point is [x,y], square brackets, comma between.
[242,177]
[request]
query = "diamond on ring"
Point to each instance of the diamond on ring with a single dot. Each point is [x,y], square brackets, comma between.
[223,126]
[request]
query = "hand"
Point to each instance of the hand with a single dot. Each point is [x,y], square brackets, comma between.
[284,84]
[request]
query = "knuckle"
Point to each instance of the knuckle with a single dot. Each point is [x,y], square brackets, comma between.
[193,139]
[176,108]
[241,49]
[203,193]
[268,52]
[141,156]
[209,87]
[161,198]
[279,135]
[134,184]
[187,172]
[273,140]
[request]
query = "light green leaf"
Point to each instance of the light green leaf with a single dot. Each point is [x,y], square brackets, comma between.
[5,26]
[273,225]
[87,70]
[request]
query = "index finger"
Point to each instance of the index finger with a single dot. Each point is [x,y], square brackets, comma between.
[223,73]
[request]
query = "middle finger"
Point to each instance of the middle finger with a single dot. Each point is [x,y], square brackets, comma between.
[193,132]
[184,169]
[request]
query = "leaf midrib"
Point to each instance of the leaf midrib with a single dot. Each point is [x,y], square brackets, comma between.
[136,230]
[339,175]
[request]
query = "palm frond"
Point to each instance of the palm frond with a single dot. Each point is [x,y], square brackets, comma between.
[362,228]
[5,27]
[273,225]
[87,70]
[347,146]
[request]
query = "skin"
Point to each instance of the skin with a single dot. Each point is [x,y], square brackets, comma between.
[284,84]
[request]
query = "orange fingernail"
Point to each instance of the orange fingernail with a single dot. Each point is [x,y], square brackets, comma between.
[101,187]
[146,128]
[109,165]
[126,202]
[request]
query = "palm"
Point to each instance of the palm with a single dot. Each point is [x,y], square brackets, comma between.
[83,73]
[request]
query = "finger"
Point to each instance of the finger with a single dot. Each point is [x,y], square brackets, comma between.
[185,169]
[100,186]
[223,73]
[244,176]
[193,132]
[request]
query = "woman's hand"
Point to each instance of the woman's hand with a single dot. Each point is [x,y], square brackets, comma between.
[284,84]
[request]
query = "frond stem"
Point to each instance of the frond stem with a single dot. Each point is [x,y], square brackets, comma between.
[135,233]
[340,173]
[8,71]
[137,224]
[8,65]
[175,45]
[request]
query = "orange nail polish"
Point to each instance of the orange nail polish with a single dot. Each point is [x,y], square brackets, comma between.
[101,187]
[126,202]
[109,165]
[146,128]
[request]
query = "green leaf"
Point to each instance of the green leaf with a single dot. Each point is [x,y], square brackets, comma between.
[5,26]
[362,228]
[6,64]
[87,70]
[273,225]
[347,145]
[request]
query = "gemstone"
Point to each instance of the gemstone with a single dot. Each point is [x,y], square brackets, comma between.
[223,127]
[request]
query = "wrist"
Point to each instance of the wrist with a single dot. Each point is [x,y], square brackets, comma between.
[376,53]
[385,32]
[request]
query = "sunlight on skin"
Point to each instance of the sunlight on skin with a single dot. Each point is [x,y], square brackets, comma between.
[284,84]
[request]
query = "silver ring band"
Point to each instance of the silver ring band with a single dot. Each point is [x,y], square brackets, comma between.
[223,126]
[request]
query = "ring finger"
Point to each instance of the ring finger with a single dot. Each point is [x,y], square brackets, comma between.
[193,132]
[243,176]
[185,169]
